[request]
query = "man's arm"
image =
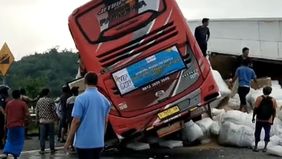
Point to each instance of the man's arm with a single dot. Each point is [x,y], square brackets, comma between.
[26,111]
[235,76]
[107,113]
[74,126]
[208,35]
[2,106]
[274,109]
[2,110]
[54,110]
[37,111]
[254,76]
[196,34]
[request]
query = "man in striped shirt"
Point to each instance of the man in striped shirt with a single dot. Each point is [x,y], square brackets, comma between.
[47,116]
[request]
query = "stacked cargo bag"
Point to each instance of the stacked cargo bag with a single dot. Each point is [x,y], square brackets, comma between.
[275,150]
[239,118]
[205,125]
[236,135]
[191,132]
[215,128]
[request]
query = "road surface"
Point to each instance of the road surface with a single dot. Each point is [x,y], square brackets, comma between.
[207,151]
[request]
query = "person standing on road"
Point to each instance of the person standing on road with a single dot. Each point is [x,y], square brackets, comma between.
[245,75]
[63,120]
[90,113]
[16,116]
[47,116]
[70,104]
[265,111]
[3,100]
[202,35]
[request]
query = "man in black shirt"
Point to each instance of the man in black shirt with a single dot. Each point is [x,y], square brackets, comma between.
[244,56]
[202,35]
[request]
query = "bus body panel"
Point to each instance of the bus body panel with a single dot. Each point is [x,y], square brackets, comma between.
[147,60]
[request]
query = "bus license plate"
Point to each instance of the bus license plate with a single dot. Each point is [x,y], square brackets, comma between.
[169,112]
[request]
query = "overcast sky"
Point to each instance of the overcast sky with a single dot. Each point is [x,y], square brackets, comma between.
[30,26]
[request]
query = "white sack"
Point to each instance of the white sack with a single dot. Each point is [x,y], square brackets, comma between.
[223,88]
[234,102]
[215,128]
[205,125]
[216,112]
[275,150]
[171,144]
[275,140]
[276,128]
[239,118]
[236,135]
[191,132]
[279,113]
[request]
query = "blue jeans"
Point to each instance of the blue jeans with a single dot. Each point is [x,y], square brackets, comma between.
[47,129]
[259,126]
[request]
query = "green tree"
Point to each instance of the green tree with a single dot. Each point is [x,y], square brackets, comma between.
[50,69]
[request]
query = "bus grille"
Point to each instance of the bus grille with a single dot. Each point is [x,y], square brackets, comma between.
[138,45]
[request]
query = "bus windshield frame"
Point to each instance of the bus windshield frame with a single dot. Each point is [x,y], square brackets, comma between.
[100,17]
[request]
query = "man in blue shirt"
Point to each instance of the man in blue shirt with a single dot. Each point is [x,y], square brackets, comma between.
[245,75]
[90,113]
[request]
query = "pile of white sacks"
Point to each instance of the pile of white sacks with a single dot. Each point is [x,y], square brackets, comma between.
[235,128]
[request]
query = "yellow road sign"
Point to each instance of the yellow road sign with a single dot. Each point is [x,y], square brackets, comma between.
[6,59]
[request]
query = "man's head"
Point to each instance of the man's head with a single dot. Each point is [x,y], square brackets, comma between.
[91,79]
[267,90]
[65,89]
[4,91]
[74,91]
[16,94]
[23,92]
[205,21]
[245,51]
[45,92]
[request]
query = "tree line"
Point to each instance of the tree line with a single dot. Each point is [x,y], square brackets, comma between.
[52,69]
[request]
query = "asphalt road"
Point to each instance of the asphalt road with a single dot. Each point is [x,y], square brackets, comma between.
[178,153]
[207,151]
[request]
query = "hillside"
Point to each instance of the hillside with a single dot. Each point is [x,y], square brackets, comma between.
[50,69]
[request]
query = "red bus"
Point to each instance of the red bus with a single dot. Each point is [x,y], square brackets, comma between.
[149,64]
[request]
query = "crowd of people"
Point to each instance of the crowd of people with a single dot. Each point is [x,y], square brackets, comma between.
[52,116]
